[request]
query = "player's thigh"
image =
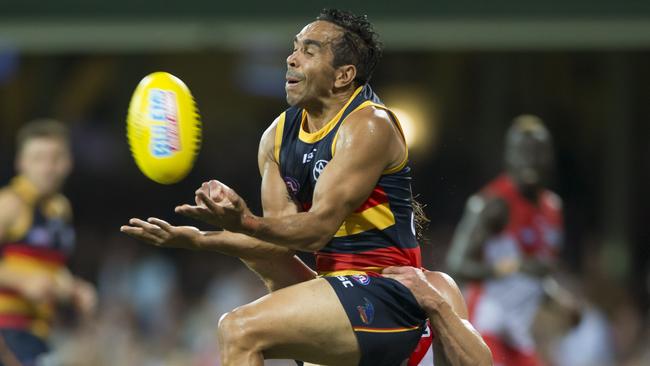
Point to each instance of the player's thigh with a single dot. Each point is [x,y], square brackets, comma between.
[306,322]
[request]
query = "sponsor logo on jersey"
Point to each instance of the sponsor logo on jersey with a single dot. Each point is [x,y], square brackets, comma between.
[366,311]
[318,168]
[361,279]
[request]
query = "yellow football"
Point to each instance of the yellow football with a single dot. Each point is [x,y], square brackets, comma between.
[163,128]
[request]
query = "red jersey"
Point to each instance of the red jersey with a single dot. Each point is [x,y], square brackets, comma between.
[536,228]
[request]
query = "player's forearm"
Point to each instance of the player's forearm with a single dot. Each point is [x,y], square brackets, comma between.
[305,231]
[276,266]
[462,345]
[280,271]
[239,245]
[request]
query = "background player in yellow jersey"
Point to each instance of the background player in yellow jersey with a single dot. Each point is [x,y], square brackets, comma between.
[37,238]
[313,320]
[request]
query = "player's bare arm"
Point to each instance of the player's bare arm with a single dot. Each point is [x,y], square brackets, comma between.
[10,204]
[277,266]
[34,287]
[284,268]
[456,342]
[368,144]
[483,218]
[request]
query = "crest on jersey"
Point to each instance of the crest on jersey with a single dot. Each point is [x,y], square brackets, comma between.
[366,311]
[318,168]
[361,279]
[292,185]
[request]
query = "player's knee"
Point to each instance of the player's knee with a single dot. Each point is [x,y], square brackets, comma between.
[237,329]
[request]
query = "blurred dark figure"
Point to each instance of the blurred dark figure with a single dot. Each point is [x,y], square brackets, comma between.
[37,238]
[507,242]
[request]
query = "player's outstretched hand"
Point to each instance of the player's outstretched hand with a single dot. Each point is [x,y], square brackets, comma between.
[217,205]
[160,233]
[415,280]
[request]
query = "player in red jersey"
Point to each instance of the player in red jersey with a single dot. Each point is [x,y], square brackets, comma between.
[507,242]
[336,181]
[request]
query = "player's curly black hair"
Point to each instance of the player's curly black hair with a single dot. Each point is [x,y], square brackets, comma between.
[359,45]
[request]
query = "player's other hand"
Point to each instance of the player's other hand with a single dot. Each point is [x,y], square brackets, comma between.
[218,205]
[415,280]
[84,298]
[160,233]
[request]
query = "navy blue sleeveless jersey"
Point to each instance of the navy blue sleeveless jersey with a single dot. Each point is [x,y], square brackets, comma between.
[381,232]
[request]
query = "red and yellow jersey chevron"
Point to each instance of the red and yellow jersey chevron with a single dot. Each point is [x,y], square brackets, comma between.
[378,234]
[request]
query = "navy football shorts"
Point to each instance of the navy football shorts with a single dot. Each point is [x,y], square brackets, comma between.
[385,317]
[25,346]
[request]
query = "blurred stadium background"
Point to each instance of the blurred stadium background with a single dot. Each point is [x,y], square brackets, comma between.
[457,70]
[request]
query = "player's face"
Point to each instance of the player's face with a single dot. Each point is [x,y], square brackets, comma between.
[45,162]
[530,158]
[310,70]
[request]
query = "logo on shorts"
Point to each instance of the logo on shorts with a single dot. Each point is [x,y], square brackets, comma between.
[292,185]
[361,279]
[426,333]
[318,168]
[366,312]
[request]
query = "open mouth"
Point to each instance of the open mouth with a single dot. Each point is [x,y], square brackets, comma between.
[293,78]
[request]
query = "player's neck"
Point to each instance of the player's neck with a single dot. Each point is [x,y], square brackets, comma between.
[530,193]
[321,112]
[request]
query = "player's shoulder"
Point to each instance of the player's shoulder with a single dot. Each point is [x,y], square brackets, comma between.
[441,280]
[486,204]
[552,199]
[271,135]
[11,204]
[449,289]
[270,130]
[369,121]
[371,115]
[9,199]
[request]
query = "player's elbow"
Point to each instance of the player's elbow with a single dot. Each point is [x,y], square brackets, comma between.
[318,242]
[485,355]
[325,227]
